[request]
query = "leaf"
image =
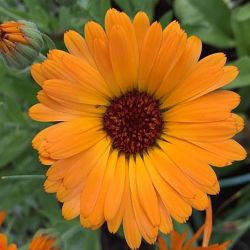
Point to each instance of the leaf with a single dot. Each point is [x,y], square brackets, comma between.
[14,112]
[166,18]
[132,7]
[207,19]
[243,79]
[240,25]
[12,145]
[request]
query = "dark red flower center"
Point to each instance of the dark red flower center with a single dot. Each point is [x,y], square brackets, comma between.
[134,122]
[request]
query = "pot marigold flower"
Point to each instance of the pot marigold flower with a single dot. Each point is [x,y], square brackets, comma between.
[2,217]
[139,125]
[20,43]
[4,243]
[177,240]
[45,240]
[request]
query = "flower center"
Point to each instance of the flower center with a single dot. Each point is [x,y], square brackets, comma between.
[134,122]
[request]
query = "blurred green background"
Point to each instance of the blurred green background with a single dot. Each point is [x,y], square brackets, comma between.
[222,25]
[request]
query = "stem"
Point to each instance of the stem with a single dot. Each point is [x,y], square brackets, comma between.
[68,234]
[9,14]
[41,57]
[24,177]
[49,41]
[229,182]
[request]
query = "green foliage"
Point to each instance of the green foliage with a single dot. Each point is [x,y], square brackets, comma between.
[219,25]
[208,20]
[240,25]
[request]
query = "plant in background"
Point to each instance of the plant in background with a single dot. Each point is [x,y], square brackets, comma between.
[20,43]
[4,243]
[177,240]
[46,240]
[139,125]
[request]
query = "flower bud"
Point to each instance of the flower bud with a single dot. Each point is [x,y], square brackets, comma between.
[48,239]
[20,43]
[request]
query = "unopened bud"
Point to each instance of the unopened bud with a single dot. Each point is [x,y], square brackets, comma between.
[20,43]
[48,239]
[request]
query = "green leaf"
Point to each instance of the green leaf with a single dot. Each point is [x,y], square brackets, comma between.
[12,145]
[132,7]
[243,79]
[105,6]
[207,19]
[240,25]
[14,112]
[166,18]
[49,42]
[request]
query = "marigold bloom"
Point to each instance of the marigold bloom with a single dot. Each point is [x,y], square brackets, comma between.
[2,217]
[45,240]
[139,125]
[177,240]
[20,43]
[4,243]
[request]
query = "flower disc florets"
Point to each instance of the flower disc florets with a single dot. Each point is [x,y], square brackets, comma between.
[134,122]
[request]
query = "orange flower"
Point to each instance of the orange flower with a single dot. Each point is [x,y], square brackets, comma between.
[177,240]
[2,217]
[140,123]
[20,43]
[44,241]
[4,243]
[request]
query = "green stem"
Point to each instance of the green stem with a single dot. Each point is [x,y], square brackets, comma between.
[72,231]
[235,181]
[41,57]
[49,41]
[9,14]
[24,177]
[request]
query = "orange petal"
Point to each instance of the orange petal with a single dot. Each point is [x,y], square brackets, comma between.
[131,231]
[51,186]
[171,199]
[141,24]
[72,92]
[71,209]
[2,217]
[148,231]
[37,74]
[149,52]
[168,55]
[97,215]
[166,224]
[188,58]
[77,46]
[229,149]
[122,59]
[193,84]
[208,224]
[207,132]
[67,194]
[85,75]
[213,106]
[146,192]
[102,58]
[116,189]
[88,159]
[205,155]
[94,30]
[193,167]
[93,184]
[161,243]
[114,224]
[40,112]
[172,174]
